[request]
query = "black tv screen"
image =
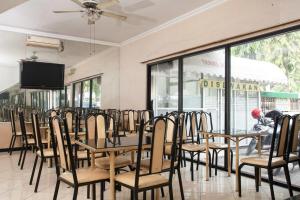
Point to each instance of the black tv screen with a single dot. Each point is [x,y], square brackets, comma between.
[41,75]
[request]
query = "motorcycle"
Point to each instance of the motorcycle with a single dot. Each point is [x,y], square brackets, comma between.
[265,125]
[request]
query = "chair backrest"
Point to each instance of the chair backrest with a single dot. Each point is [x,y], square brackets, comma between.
[294,136]
[90,124]
[182,125]
[66,160]
[37,132]
[23,128]
[69,116]
[12,121]
[170,128]
[280,146]
[131,121]
[157,147]
[101,126]
[194,126]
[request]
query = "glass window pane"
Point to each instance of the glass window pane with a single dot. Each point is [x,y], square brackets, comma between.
[96,93]
[69,99]
[77,94]
[203,85]
[62,98]
[164,87]
[86,94]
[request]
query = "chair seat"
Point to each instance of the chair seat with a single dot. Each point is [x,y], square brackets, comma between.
[193,147]
[168,148]
[120,162]
[72,134]
[32,141]
[81,155]
[216,145]
[20,133]
[293,157]
[166,164]
[86,175]
[263,161]
[128,178]
[47,153]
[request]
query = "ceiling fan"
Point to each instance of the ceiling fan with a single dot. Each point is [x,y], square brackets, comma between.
[93,9]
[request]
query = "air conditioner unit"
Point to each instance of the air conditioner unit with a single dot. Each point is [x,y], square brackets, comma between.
[36,41]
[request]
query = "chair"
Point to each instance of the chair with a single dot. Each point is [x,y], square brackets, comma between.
[14,132]
[294,149]
[41,152]
[193,145]
[70,175]
[140,181]
[145,163]
[206,117]
[277,158]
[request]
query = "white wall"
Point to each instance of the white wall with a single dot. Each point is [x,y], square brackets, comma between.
[232,18]
[106,62]
[9,77]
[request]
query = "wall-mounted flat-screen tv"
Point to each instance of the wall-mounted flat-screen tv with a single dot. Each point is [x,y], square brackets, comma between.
[41,75]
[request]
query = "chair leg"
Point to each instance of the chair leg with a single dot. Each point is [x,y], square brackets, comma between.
[288,179]
[23,161]
[145,195]
[270,174]
[10,144]
[209,160]
[256,169]
[136,195]
[88,191]
[170,191]
[198,161]
[180,183]
[75,193]
[21,156]
[13,145]
[192,166]
[184,159]
[231,158]
[33,169]
[152,194]
[240,180]
[56,189]
[162,191]
[102,188]
[39,176]
[216,163]
[94,191]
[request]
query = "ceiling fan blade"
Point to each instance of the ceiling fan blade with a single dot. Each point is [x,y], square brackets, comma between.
[113,15]
[107,4]
[78,2]
[67,11]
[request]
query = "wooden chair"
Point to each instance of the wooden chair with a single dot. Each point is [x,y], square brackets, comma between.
[139,181]
[14,132]
[206,125]
[41,152]
[70,175]
[294,149]
[277,158]
[145,163]
[193,144]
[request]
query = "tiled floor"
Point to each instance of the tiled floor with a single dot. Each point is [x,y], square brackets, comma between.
[14,184]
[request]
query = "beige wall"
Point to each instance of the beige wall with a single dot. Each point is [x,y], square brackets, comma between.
[108,63]
[232,18]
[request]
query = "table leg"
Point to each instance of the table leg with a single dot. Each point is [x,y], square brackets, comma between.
[112,176]
[228,157]
[237,164]
[93,159]
[207,158]
[259,154]
[48,146]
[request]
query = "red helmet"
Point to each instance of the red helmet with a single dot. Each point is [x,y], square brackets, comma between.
[256,113]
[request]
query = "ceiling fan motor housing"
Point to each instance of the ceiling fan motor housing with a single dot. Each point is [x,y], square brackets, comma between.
[90,4]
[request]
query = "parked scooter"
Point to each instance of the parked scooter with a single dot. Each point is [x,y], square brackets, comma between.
[265,124]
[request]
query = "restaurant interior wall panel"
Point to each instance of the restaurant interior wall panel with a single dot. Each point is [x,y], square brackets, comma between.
[229,19]
[106,63]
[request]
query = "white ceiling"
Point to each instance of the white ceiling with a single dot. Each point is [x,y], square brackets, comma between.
[142,15]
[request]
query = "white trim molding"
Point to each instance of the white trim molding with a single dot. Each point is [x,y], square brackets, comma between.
[58,36]
[171,22]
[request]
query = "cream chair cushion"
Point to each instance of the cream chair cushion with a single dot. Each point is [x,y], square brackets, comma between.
[293,157]
[32,141]
[86,175]
[263,161]
[166,164]
[120,161]
[128,178]
[193,147]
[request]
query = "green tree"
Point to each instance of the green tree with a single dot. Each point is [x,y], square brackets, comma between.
[282,50]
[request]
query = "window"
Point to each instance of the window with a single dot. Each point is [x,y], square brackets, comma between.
[164,87]
[68,96]
[203,85]
[77,94]
[86,91]
[96,92]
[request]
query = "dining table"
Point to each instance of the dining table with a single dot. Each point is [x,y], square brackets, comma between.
[112,147]
[235,137]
